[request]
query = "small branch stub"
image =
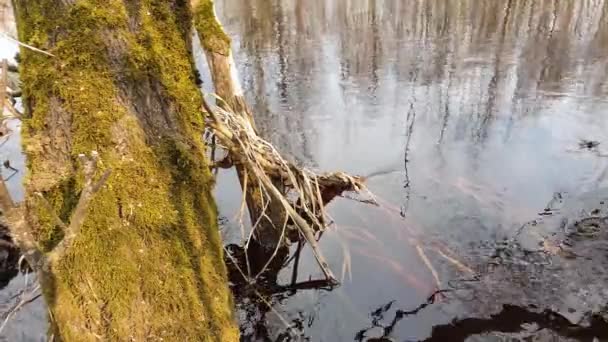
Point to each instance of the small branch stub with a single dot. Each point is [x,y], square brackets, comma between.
[89,189]
[22,232]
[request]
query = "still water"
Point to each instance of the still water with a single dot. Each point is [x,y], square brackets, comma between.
[469,118]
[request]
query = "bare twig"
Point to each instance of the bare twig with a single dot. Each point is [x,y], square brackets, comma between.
[52,212]
[242,207]
[20,304]
[90,188]
[462,267]
[102,180]
[26,45]
[279,244]
[428,264]
[3,84]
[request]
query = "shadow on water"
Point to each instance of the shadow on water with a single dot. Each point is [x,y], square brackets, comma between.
[466,117]
[509,320]
[9,256]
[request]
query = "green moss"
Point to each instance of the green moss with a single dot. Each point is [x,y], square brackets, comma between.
[148,263]
[211,33]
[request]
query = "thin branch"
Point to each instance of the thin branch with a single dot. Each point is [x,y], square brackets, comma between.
[429,265]
[104,178]
[243,201]
[301,224]
[51,210]
[20,304]
[3,84]
[279,244]
[26,45]
[89,189]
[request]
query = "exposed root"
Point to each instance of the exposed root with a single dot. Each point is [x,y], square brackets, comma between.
[236,134]
[251,281]
[303,194]
[274,253]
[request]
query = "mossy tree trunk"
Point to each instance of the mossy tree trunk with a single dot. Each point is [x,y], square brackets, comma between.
[147,263]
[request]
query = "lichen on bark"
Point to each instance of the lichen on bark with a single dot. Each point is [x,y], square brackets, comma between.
[148,263]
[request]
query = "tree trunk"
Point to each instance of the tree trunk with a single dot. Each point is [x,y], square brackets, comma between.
[263,210]
[147,262]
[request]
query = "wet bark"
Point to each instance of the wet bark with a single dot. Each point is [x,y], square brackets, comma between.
[145,261]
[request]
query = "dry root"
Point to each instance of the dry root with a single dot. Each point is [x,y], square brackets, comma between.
[304,193]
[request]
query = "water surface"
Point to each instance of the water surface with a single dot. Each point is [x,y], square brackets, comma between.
[466,115]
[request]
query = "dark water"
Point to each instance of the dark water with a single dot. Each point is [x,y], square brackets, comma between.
[470,118]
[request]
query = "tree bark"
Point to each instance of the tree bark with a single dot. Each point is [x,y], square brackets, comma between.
[146,262]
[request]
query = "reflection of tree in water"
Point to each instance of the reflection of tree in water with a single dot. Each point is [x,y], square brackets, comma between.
[256,299]
[380,313]
[9,256]
[273,53]
[528,291]
[511,319]
[467,65]
[407,186]
[487,48]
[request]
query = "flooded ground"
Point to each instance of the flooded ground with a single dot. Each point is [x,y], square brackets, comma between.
[482,128]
